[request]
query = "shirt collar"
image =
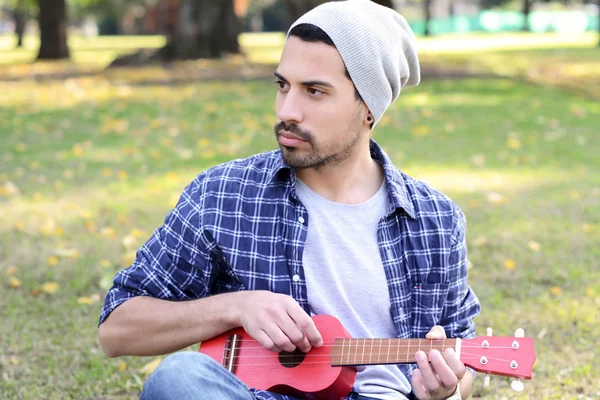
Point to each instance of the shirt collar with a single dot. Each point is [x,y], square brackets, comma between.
[397,191]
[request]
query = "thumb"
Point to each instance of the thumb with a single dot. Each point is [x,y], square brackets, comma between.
[437,332]
[417,385]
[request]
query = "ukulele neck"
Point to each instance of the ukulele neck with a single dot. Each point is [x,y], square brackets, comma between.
[385,351]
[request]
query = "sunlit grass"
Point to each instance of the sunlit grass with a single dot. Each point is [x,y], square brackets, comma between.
[90,166]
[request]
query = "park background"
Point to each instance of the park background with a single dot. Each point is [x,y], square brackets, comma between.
[109,108]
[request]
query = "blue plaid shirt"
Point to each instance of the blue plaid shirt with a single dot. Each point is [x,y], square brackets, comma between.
[240,226]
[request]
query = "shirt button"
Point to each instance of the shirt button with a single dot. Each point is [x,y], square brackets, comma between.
[296,278]
[301,220]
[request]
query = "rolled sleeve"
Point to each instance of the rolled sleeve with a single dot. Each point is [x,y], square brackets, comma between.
[172,264]
[462,305]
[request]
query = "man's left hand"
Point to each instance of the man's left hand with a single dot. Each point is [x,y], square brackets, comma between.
[437,379]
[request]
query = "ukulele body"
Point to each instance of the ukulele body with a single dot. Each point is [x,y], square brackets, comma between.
[308,376]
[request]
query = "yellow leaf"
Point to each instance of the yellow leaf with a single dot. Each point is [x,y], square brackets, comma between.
[68,253]
[479,241]
[21,147]
[555,290]
[122,367]
[122,175]
[48,228]
[105,264]
[49,287]
[34,165]
[533,245]
[11,270]
[52,261]
[85,300]
[208,154]
[496,199]
[91,226]
[151,366]
[587,228]
[14,282]
[87,214]
[574,194]
[9,189]
[478,160]
[58,185]
[128,258]
[108,232]
[15,360]
[138,233]
[474,204]
[589,291]
[422,130]
[174,199]
[509,264]
[202,143]
[59,231]
[68,174]
[20,226]
[129,241]
[78,150]
[513,144]
[37,196]
[107,172]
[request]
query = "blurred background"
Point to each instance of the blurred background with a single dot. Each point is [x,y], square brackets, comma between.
[109,108]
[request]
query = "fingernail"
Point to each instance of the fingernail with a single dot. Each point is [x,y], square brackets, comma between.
[420,356]
[319,343]
[434,354]
[450,350]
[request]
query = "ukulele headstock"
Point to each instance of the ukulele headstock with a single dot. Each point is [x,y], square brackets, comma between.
[500,355]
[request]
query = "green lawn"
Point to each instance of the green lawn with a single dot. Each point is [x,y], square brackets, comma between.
[90,166]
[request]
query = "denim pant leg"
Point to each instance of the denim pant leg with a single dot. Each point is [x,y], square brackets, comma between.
[193,376]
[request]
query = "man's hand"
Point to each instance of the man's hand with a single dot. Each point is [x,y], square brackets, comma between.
[437,380]
[277,321]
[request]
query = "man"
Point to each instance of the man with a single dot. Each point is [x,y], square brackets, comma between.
[325,225]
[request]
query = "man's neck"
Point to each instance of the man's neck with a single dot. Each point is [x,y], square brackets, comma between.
[352,181]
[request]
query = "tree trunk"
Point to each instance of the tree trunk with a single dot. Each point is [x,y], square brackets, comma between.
[53,23]
[20,18]
[386,3]
[427,14]
[296,8]
[451,8]
[204,29]
[598,1]
[526,11]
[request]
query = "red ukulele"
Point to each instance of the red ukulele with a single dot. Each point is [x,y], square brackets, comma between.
[328,372]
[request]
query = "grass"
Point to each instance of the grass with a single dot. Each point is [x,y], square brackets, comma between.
[90,166]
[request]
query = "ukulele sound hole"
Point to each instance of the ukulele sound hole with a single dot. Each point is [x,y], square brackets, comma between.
[291,359]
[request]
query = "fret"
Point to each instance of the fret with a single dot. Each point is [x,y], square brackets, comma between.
[443,344]
[430,345]
[355,350]
[342,351]
[379,352]
[362,360]
[408,356]
[388,354]
[371,352]
[398,349]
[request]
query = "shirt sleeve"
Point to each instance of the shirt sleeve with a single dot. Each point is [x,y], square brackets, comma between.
[172,264]
[462,305]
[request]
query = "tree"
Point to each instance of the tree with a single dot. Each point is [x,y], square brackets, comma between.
[427,15]
[203,29]
[526,11]
[54,24]
[387,3]
[296,8]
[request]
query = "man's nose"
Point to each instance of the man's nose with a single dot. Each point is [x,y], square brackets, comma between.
[290,110]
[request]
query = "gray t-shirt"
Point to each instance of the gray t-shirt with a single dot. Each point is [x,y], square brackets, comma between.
[345,278]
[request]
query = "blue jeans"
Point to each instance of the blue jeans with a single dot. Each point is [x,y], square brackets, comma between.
[195,376]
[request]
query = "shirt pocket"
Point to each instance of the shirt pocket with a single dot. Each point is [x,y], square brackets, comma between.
[427,301]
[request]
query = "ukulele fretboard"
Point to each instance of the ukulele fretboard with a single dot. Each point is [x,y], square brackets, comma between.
[383,351]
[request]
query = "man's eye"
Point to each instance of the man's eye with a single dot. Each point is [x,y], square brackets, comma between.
[314,91]
[281,84]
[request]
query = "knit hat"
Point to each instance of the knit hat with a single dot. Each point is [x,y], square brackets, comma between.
[376,44]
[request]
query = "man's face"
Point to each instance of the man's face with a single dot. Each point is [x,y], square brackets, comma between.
[319,120]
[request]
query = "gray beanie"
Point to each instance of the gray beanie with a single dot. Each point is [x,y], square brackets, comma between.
[376,44]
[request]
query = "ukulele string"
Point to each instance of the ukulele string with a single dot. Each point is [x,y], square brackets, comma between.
[383,344]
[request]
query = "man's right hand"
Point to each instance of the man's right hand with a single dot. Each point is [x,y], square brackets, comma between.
[277,321]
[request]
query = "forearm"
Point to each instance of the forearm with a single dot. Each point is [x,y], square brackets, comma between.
[146,326]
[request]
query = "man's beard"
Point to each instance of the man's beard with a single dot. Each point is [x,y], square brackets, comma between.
[314,157]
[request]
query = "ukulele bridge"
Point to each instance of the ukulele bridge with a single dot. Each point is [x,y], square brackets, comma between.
[230,352]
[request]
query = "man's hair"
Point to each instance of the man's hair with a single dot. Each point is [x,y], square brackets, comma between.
[314,34]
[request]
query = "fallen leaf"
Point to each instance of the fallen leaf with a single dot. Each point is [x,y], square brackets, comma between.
[105,264]
[513,144]
[422,130]
[89,300]
[122,367]
[533,245]
[589,292]
[509,264]
[151,366]
[587,228]
[555,290]
[108,232]
[14,282]
[49,287]
[478,160]
[128,258]
[496,199]
[15,360]
[574,194]
[52,261]
[479,241]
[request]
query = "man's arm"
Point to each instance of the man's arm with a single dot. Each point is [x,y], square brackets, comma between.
[148,326]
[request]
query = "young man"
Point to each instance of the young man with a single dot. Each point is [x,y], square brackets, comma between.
[325,225]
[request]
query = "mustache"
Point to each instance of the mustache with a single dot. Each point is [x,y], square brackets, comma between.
[295,129]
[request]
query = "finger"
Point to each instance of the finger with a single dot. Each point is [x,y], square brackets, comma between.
[437,332]
[441,368]
[294,333]
[430,382]
[454,363]
[417,385]
[279,338]
[265,341]
[306,323]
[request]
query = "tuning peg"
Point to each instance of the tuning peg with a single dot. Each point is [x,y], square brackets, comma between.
[486,381]
[520,333]
[517,386]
